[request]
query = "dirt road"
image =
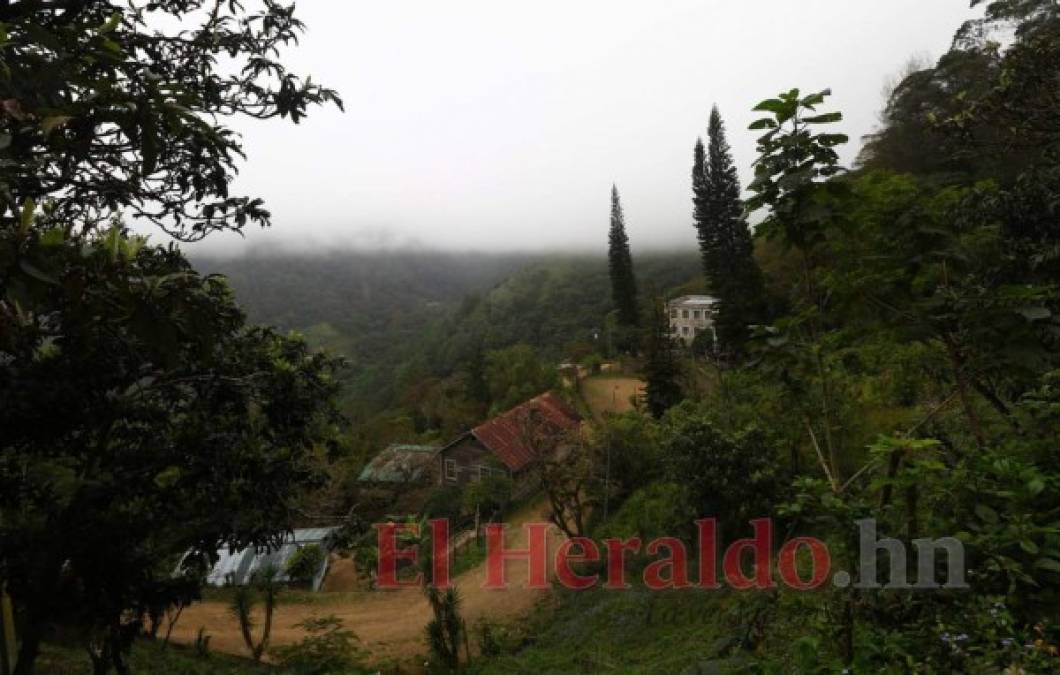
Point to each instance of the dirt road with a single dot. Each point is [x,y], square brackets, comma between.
[390,624]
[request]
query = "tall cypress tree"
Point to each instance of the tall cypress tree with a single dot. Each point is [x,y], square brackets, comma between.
[620,265]
[661,371]
[725,240]
[706,234]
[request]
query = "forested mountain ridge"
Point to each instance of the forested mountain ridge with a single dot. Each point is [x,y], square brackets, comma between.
[430,314]
[357,303]
[360,294]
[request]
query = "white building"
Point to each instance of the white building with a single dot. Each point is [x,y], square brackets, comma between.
[691,315]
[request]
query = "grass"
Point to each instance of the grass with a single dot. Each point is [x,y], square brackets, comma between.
[288,596]
[632,631]
[601,396]
[469,557]
[149,657]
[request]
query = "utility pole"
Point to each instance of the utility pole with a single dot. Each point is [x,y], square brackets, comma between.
[607,478]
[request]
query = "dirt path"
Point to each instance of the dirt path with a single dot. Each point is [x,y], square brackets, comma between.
[390,624]
[608,394]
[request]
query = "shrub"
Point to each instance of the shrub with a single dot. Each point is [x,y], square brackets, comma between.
[444,502]
[731,477]
[488,496]
[304,565]
[327,648]
[627,449]
[493,639]
[593,363]
[660,509]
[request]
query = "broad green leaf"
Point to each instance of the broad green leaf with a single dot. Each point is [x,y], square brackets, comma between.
[815,99]
[833,139]
[33,271]
[773,105]
[169,477]
[826,118]
[27,214]
[111,23]
[112,242]
[112,47]
[1035,313]
[1029,546]
[53,237]
[764,123]
[50,124]
[1048,564]
[986,514]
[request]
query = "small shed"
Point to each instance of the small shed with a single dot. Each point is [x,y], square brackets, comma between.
[237,567]
[400,464]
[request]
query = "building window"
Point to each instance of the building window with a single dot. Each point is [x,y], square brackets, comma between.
[673,313]
[450,469]
[684,313]
[695,314]
[684,330]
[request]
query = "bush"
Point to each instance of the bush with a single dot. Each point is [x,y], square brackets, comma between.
[328,648]
[731,477]
[489,496]
[444,502]
[627,448]
[304,565]
[658,510]
[493,639]
[593,364]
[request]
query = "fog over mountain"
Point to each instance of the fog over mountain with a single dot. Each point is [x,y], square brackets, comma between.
[498,126]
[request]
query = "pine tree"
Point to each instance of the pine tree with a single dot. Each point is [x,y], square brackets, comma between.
[661,370]
[725,241]
[701,208]
[620,264]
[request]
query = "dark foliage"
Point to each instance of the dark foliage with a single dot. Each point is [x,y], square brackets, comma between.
[620,265]
[661,370]
[104,111]
[725,240]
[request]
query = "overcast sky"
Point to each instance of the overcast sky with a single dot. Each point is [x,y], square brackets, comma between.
[493,124]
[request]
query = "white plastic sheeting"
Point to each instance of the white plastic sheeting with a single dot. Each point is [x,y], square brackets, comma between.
[238,567]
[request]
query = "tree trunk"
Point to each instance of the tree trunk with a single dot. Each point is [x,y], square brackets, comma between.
[847,642]
[32,632]
[172,621]
[100,662]
[957,362]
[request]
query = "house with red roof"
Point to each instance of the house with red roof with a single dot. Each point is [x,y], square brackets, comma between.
[507,444]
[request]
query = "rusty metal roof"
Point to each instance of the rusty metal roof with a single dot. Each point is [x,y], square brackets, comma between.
[510,435]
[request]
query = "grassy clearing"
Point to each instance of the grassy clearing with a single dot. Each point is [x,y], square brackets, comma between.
[150,657]
[610,393]
[633,631]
